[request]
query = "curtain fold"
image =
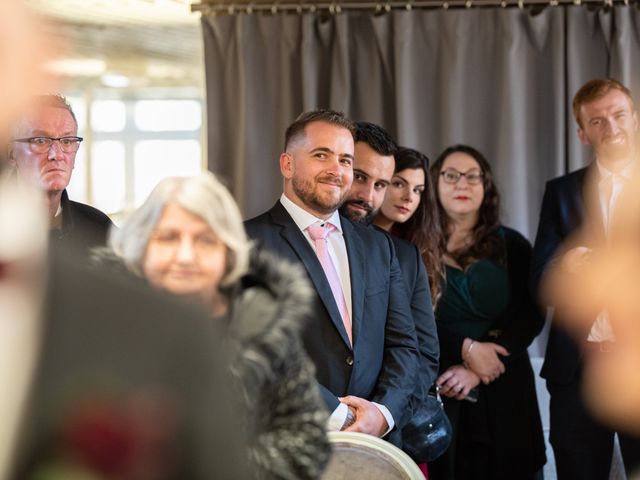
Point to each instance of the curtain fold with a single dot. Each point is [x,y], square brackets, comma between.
[499,79]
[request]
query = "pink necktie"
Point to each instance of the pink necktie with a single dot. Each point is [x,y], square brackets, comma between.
[319,236]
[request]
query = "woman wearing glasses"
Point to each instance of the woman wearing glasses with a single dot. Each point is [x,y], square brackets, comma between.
[409,212]
[188,239]
[486,319]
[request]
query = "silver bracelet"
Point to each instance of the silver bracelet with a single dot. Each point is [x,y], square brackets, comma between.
[470,347]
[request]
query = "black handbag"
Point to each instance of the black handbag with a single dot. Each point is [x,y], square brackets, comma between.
[428,434]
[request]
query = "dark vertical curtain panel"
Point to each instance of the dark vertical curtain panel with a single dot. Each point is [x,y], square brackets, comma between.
[498,79]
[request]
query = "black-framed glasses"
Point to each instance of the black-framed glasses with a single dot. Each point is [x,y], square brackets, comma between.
[453,176]
[43,144]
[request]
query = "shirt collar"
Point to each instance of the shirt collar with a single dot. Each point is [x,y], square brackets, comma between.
[606,173]
[304,219]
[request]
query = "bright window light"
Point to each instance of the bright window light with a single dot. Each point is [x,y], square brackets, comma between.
[157,159]
[108,175]
[79,108]
[108,116]
[168,115]
[77,188]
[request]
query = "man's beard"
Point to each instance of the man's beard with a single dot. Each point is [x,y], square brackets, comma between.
[304,190]
[366,219]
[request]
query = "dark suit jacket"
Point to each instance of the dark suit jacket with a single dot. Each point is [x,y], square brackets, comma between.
[570,216]
[383,363]
[109,344]
[417,282]
[419,294]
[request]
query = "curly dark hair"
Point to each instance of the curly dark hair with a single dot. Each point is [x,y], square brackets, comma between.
[484,243]
[423,228]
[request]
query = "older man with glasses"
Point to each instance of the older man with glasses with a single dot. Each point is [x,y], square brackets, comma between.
[43,151]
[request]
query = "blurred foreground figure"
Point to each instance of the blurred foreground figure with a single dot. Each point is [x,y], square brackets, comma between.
[581,229]
[101,378]
[610,279]
[22,58]
[188,239]
[125,385]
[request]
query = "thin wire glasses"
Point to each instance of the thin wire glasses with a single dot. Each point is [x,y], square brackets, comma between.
[453,176]
[43,144]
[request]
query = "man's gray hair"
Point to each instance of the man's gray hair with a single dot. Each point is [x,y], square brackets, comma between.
[203,196]
[56,100]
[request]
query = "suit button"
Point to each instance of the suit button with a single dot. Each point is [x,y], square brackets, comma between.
[349,361]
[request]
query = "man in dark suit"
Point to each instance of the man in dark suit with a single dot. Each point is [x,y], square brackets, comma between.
[577,211]
[43,152]
[362,339]
[373,167]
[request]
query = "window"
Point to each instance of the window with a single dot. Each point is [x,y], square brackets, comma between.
[158,159]
[108,116]
[167,115]
[108,175]
[131,144]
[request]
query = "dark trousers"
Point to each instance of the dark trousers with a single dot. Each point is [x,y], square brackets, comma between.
[583,447]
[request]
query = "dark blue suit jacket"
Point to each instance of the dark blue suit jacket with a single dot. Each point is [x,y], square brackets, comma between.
[417,282]
[383,363]
[419,294]
[568,201]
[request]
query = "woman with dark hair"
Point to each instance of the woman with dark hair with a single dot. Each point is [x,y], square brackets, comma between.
[486,319]
[409,212]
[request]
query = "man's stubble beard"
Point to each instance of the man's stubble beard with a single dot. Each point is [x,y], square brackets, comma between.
[364,220]
[304,191]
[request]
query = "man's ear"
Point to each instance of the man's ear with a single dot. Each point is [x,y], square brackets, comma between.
[286,165]
[10,157]
[583,136]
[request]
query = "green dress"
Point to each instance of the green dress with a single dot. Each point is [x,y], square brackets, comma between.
[499,436]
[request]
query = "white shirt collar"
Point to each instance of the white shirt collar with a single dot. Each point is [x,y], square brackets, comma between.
[606,173]
[304,219]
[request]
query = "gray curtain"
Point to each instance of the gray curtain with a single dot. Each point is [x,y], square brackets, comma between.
[499,79]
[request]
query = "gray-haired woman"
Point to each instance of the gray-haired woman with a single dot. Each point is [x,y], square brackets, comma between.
[188,239]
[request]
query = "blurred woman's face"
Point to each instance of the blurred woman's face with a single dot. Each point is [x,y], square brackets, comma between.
[403,195]
[460,185]
[184,256]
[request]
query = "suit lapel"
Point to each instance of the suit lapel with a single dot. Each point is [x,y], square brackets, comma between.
[356,256]
[299,244]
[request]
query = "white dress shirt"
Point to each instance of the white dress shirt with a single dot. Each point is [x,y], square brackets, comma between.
[335,242]
[609,189]
[338,252]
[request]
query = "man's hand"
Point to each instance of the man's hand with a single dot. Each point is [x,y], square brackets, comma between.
[457,381]
[482,358]
[351,417]
[369,418]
